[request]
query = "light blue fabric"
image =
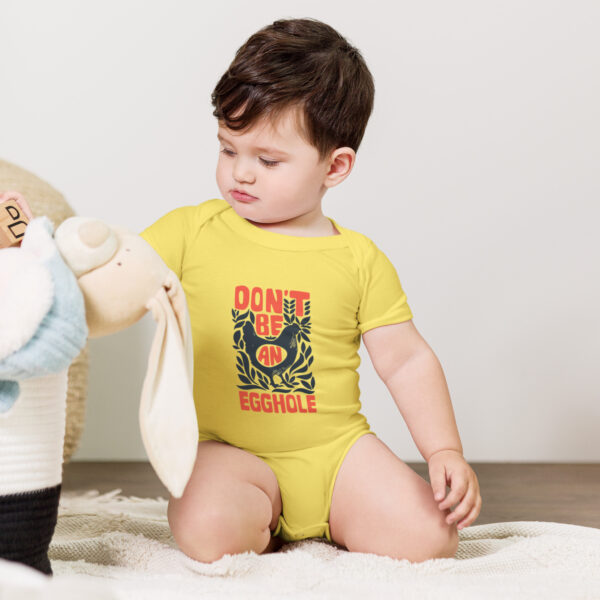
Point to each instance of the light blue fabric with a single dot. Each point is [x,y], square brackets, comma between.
[62,334]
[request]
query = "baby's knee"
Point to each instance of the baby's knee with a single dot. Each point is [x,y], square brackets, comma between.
[206,533]
[442,539]
[433,538]
[446,542]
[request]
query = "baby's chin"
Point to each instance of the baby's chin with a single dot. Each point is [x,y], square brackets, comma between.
[246,211]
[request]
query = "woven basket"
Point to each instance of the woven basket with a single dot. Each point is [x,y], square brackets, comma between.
[45,200]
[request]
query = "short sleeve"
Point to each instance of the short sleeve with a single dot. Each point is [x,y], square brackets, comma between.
[383,301]
[167,236]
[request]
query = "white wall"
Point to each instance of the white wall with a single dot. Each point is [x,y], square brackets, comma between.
[478,176]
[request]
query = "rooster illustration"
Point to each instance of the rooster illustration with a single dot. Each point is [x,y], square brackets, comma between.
[286,340]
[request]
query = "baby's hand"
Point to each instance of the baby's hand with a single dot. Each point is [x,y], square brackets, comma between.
[449,466]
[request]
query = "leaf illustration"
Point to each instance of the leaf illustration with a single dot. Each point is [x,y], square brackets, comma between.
[246,363]
[297,363]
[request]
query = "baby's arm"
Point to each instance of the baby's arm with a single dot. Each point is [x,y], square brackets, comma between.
[413,374]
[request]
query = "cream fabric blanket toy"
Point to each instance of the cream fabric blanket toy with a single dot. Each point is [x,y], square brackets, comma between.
[113,277]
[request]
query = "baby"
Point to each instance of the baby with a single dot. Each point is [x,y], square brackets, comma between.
[279,296]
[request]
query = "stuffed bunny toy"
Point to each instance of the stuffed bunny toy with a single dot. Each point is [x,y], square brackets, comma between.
[89,279]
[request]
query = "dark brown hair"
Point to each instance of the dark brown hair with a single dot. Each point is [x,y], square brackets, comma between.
[301,63]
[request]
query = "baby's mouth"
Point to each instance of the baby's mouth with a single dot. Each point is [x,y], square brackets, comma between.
[242,196]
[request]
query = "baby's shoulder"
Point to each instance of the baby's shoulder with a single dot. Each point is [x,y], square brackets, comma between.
[200,213]
[359,242]
[195,216]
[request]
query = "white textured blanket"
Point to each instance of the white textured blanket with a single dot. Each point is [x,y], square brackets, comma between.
[114,547]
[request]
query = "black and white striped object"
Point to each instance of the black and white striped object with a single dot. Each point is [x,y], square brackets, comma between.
[31,448]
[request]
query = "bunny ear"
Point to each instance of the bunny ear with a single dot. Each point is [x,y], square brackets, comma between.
[178,302]
[168,422]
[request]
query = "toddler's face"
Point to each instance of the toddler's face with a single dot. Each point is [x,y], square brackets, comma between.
[271,174]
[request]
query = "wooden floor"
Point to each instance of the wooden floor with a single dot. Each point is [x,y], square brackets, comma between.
[563,493]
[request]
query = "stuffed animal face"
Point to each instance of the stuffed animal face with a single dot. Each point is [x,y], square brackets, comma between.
[117,272]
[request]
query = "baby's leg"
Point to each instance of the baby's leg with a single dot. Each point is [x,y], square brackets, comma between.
[381,506]
[230,505]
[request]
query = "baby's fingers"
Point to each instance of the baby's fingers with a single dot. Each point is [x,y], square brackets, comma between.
[437,477]
[471,516]
[457,493]
[463,508]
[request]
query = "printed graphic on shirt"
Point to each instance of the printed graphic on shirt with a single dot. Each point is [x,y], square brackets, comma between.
[271,331]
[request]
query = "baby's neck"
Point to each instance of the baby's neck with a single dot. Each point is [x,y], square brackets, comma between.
[322,229]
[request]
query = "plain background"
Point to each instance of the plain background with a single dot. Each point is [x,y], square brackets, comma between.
[478,176]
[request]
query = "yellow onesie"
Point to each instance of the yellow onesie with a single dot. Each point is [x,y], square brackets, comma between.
[276,324]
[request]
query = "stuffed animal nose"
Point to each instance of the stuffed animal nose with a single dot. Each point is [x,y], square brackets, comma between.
[85,244]
[94,233]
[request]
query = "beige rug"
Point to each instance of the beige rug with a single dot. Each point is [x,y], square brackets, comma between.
[114,547]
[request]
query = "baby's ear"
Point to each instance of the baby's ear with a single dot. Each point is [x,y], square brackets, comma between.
[341,162]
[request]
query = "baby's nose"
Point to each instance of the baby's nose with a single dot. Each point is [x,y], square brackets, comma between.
[243,172]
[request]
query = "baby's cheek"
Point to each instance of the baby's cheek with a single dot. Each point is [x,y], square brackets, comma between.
[221,172]
[290,188]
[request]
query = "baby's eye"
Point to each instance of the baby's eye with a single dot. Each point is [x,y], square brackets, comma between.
[269,163]
[227,152]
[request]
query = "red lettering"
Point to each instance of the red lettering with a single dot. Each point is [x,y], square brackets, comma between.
[276,324]
[242,297]
[274,304]
[262,324]
[257,299]
[266,405]
[300,297]
[270,355]
[279,402]
[275,354]
[290,405]
[300,409]
[263,356]
[253,402]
